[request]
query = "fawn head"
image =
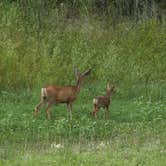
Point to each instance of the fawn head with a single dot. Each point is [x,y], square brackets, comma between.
[110,88]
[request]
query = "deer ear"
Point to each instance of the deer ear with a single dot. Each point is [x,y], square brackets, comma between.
[86,72]
[76,71]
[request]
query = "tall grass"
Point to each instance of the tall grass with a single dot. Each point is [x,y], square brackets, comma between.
[34,53]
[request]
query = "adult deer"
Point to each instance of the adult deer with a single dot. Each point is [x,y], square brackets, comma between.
[53,94]
[103,101]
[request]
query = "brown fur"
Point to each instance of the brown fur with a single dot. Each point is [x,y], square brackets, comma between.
[103,101]
[53,94]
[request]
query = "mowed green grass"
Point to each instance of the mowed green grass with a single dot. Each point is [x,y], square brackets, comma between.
[134,134]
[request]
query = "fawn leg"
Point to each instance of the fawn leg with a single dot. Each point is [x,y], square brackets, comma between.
[106,113]
[95,111]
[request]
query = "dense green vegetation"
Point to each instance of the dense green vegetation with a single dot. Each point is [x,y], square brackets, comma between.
[35,52]
[41,41]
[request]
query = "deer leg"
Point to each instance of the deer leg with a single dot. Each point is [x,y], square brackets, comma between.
[70,106]
[48,111]
[69,110]
[36,112]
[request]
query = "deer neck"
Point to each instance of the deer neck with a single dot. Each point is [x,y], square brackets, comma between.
[78,86]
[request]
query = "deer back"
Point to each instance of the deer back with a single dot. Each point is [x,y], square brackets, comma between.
[64,94]
[60,94]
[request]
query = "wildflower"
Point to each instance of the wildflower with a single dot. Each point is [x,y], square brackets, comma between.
[56,146]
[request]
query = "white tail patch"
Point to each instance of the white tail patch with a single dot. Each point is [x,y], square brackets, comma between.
[95,101]
[43,93]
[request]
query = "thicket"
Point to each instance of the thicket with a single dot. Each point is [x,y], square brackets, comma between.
[41,41]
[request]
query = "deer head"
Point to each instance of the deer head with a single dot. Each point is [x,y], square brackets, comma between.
[80,76]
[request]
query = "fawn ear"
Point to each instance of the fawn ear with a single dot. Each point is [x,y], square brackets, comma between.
[108,85]
[87,72]
[113,87]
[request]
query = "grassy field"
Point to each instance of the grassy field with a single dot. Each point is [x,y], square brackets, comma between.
[133,135]
[40,43]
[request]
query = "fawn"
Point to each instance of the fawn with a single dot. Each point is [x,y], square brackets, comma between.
[53,94]
[103,101]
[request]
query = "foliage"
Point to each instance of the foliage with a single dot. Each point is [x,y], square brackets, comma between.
[34,53]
